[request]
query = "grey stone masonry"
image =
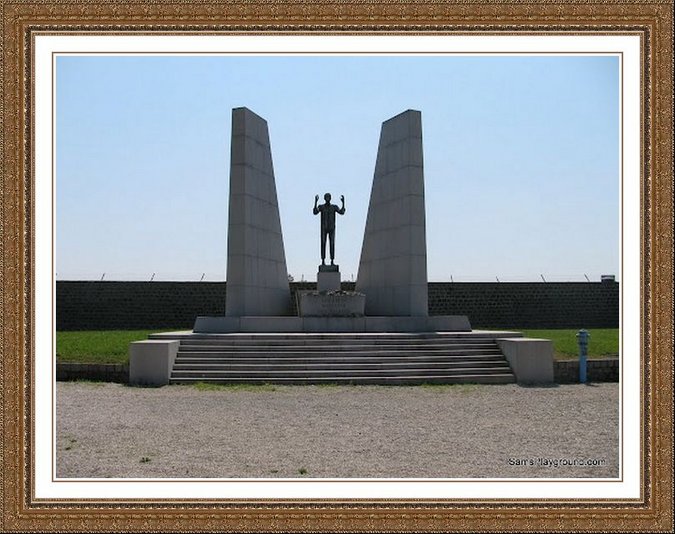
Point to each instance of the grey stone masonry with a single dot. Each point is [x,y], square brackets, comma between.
[110,305]
[393,266]
[99,372]
[257,279]
[597,370]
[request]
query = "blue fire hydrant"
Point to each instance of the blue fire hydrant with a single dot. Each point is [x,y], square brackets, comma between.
[582,338]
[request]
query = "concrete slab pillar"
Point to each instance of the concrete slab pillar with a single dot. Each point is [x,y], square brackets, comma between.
[393,265]
[531,360]
[257,278]
[151,361]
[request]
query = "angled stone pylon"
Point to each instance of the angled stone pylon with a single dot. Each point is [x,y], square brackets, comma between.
[393,267]
[257,279]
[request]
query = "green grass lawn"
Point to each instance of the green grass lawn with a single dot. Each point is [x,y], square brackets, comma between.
[603,342]
[98,346]
[112,346]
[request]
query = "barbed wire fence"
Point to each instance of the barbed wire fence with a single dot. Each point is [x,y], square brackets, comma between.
[159,276]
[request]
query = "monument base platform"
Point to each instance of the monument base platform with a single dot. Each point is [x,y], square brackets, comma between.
[391,358]
[435,323]
[331,304]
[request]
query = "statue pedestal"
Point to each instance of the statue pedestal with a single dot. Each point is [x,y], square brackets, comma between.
[328,278]
[328,300]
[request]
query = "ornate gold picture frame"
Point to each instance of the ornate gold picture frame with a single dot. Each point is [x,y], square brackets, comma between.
[23,20]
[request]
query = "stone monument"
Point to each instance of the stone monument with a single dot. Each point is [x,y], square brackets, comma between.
[257,278]
[393,266]
[390,298]
[391,288]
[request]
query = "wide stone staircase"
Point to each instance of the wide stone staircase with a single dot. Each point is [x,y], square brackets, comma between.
[396,359]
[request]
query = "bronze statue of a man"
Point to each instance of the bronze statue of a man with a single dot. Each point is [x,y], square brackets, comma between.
[328,212]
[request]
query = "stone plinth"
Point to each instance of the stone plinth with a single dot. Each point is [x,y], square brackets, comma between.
[331,304]
[328,278]
[436,323]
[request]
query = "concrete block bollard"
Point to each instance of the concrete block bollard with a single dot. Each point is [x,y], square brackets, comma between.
[151,361]
[531,360]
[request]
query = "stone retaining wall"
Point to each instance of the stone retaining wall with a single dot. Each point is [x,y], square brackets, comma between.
[597,370]
[100,372]
[174,305]
[135,305]
[529,305]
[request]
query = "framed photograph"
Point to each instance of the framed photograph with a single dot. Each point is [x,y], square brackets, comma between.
[568,66]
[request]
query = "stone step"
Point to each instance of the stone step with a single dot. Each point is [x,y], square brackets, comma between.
[331,347]
[321,366]
[344,340]
[335,336]
[373,353]
[388,358]
[327,373]
[410,380]
[275,359]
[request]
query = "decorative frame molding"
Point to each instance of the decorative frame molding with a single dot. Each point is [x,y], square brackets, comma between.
[652,20]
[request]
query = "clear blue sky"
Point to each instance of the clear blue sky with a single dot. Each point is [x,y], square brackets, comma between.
[521,160]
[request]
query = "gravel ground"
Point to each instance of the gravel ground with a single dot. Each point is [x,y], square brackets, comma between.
[111,430]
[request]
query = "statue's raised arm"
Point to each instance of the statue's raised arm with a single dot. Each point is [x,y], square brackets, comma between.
[341,211]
